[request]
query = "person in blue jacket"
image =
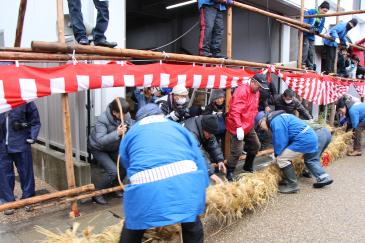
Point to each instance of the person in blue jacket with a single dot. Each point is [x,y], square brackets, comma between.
[168,177]
[355,116]
[211,27]
[317,25]
[338,33]
[292,138]
[19,129]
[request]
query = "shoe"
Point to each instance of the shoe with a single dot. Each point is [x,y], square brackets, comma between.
[100,200]
[220,56]
[9,211]
[118,194]
[291,177]
[207,55]
[354,153]
[324,182]
[306,174]
[28,208]
[84,41]
[105,43]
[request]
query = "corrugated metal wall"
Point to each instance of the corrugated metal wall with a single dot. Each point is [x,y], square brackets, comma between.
[50,111]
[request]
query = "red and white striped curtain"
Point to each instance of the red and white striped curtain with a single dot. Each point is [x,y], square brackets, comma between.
[22,84]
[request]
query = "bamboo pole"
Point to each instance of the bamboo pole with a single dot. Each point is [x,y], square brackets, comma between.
[15,49]
[227,144]
[362,11]
[269,14]
[333,106]
[35,56]
[20,24]
[300,47]
[80,197]
[321,35]
[46,197]
[66,117]
[53,47]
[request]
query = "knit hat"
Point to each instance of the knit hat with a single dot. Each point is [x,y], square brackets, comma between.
[325,4]
[216,94]
[148,110]
[210,124]
[354,22]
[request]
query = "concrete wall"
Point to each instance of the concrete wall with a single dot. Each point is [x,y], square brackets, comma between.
[49,165]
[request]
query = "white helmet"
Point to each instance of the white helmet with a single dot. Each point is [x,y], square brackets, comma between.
[180,90]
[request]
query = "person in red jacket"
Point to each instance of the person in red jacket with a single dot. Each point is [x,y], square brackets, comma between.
[358,52]
[240,123]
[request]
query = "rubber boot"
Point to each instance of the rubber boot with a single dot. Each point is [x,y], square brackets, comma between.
[248,166]
[291,177]
[230,174]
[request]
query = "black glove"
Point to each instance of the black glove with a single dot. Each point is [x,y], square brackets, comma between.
[180,113]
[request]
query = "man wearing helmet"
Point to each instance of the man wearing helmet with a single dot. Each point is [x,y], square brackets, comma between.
[175,104]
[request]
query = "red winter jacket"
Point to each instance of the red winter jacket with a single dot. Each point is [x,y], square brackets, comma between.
[243,109]
[358,52]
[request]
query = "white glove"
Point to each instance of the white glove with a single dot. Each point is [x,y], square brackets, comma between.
[240,133]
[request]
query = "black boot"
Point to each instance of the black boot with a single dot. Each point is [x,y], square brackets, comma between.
[230,174]
[291,177]
[248,167]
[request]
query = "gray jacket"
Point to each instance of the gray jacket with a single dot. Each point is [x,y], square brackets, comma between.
[104,135]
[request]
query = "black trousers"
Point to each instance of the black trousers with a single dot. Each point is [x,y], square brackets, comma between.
[192,233]
[211,31]
[330,59]
[308,53]
[77,21]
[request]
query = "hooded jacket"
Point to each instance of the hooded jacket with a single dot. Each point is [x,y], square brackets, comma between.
[104,135]
[337,31]
[243,109]
[289,132]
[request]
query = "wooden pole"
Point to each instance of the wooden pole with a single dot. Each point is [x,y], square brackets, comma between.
[35,56]
[46,197]
[300,47]
[81,197]
[53,47]
[227,144]
[333,106]
[321,35]
[66,117]
[336,14]
[20,24]
[269,14]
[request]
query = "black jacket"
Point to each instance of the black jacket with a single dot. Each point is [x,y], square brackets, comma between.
[267,97]
[210,146]
[292,107]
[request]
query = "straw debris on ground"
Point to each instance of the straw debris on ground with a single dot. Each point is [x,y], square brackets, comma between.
[225,202]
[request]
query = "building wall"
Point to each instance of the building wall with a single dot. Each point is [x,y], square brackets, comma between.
[250,36]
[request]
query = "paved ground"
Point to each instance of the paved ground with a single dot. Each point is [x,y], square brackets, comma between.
[332,214]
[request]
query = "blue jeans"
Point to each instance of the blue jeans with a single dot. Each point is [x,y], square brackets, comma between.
[313,160]
[77,22]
